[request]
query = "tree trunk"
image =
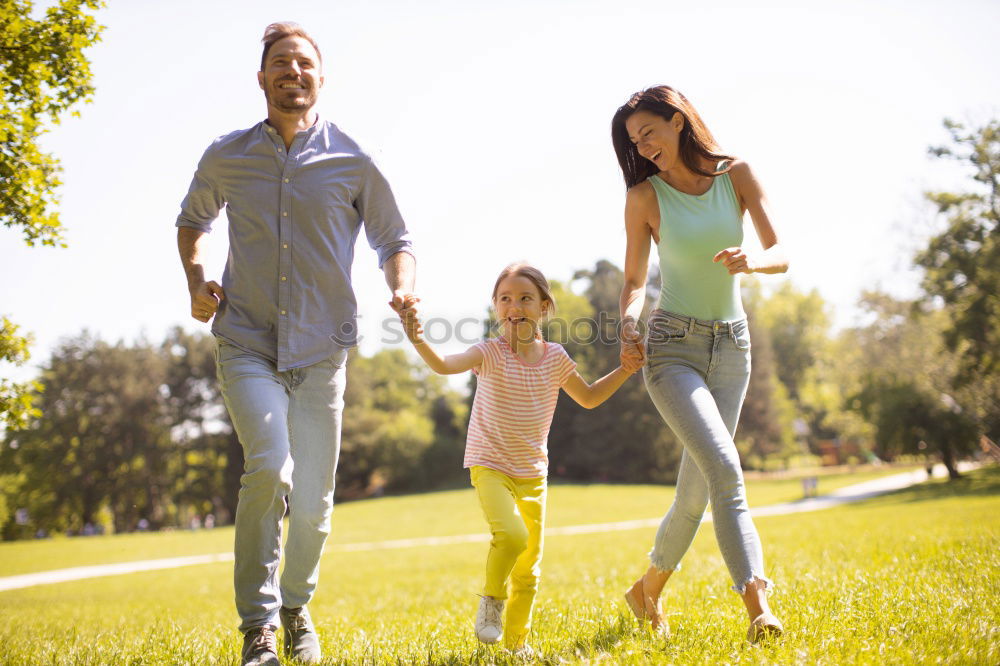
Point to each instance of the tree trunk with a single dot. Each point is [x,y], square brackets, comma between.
[948,458]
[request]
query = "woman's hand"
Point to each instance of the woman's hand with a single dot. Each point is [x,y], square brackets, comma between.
[632,355]
[735,260]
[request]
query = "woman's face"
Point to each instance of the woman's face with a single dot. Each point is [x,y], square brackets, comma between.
[655,137]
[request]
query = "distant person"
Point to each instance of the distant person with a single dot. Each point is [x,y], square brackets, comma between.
[688,197]
[519,375]
[297,191]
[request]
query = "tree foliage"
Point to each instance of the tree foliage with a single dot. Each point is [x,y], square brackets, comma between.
[16,405]
[962,266]
[624,439]
[765,429]
[139,434]
[44,73]
[905,383]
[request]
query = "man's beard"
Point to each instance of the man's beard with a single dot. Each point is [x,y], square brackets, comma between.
[292,103]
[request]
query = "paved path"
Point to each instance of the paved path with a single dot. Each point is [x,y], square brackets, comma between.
[859,491]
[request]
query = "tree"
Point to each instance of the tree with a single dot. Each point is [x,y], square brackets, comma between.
[103,444]
[904,383]
[765,428]
[129,433]
[624,439]
[962,263]
[43,74]
[15,397]
[401,427]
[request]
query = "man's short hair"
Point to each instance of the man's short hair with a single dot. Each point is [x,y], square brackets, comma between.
[278,31]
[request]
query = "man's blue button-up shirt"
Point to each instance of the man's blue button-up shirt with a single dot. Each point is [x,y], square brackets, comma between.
[294,216]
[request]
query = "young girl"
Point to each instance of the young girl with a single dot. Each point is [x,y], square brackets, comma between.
[519,376]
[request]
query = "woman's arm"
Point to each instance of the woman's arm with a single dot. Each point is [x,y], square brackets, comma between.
[640,203]
[452,364]
[752,198]
[591,395]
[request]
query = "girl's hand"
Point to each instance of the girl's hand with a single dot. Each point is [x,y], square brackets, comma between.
[735,260]
[411,324]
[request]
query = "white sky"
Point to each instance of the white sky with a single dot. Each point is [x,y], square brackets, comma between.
[491,122]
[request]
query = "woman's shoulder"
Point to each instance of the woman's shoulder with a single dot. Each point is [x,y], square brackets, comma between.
[744,181]
[641,192]
[739,171]
[642,197]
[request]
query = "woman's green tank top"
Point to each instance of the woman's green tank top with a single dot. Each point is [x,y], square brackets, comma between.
[693,228]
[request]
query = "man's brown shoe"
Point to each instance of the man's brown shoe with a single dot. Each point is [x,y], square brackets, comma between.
[260,647]
[301,641]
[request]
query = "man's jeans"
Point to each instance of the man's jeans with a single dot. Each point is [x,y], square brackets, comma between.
[289,426]
[697,374]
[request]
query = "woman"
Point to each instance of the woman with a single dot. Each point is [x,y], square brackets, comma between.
[689,197]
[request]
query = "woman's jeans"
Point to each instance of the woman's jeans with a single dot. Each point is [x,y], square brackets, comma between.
[697,374]
[289,426]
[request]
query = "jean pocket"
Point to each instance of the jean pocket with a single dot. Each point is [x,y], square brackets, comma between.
[741,336]
[664,329]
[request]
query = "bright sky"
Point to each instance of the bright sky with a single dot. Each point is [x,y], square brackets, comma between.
[491,122]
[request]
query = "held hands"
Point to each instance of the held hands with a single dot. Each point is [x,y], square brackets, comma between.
[735,260]
[405,305]
[632,355]
[205,299]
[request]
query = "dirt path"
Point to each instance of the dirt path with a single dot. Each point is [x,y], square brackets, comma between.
[854,493]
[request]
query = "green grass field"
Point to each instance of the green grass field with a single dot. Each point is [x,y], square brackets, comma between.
[911,577]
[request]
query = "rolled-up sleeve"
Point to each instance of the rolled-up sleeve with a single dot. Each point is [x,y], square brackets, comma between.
[204,199]
[384,226]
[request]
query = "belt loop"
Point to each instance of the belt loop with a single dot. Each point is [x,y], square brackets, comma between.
[691,325]
[732,330]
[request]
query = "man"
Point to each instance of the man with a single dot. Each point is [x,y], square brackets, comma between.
[297,191]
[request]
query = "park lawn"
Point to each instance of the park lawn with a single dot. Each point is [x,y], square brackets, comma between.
[911,577]
[432,514]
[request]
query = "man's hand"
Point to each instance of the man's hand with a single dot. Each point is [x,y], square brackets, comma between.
[205,299]
[402,300]
[405,305]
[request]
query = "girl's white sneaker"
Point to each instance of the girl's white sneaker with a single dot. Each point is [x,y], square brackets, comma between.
[489,625]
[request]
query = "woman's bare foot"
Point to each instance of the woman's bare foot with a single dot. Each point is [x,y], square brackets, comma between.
[644,598]
[763,623]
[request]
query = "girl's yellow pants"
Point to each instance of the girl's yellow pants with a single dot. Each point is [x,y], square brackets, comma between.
[515,511]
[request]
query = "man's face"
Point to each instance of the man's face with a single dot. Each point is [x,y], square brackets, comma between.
[292,75]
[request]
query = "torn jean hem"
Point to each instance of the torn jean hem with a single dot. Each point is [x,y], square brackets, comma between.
[741,589]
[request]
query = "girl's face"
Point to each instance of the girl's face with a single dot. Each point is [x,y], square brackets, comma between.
[519,306]
[656,138]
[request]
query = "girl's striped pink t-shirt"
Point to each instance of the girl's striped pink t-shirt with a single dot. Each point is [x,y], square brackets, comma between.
[513,408]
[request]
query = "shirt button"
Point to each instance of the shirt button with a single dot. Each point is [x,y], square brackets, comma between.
[284,246]
[283,312]
[284,213]
[286,180]
[283,278]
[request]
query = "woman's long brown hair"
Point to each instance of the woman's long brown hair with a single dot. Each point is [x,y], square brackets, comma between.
[696,143]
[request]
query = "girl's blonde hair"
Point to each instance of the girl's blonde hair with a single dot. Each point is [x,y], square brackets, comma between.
[521,269]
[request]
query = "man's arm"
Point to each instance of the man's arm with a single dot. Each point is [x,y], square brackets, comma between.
[400,274]
[205,296]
